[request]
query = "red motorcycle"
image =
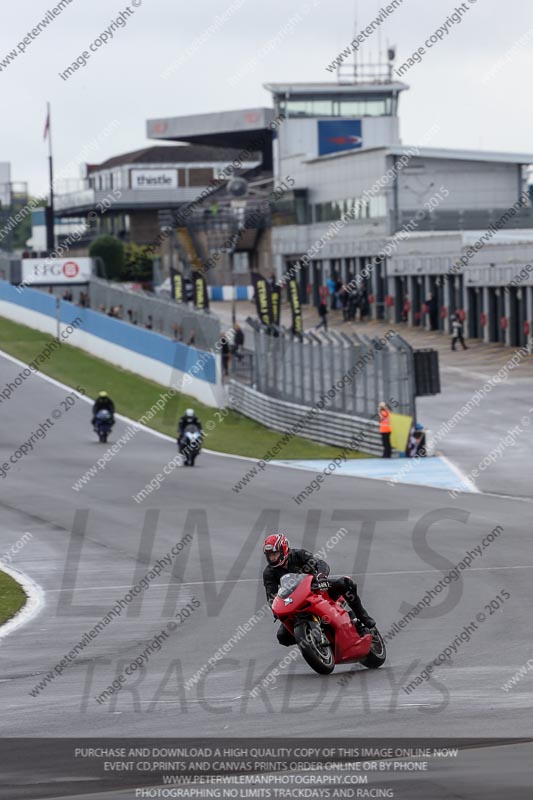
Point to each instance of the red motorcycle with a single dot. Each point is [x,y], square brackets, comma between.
[326,631]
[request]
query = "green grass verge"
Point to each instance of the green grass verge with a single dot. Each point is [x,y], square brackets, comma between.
[134,395]
[12,597]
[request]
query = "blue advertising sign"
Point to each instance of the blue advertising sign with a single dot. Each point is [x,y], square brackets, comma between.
[337,135]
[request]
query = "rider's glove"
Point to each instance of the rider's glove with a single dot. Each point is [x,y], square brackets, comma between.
[321,582]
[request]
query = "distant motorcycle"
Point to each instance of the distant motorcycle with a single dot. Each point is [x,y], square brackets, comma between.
[190,444]
[103,424]
[326,631]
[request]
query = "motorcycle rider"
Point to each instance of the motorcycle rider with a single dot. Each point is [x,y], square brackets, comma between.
[103,401]
[282,560]
[189,418]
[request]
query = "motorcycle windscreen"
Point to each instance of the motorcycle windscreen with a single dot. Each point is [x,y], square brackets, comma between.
[289,583]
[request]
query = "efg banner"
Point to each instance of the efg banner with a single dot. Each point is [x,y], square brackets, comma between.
[176,286]
[296,307]
[275,299]
[263,300]
[201,298]
[337,135]
[44,271]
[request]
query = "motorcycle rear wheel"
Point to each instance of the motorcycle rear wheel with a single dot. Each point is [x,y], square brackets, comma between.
[378,652]
[319,657]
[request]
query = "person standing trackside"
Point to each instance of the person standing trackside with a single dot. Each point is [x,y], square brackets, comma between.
[238,342]
[385,428]
[433,312]
[457,332]
[323,313]
[225,354]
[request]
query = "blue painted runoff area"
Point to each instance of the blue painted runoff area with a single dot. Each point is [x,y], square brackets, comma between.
[432,471]
[200,364]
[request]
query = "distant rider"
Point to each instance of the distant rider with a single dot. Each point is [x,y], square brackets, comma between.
[189,418]
[103,401]
[282,560]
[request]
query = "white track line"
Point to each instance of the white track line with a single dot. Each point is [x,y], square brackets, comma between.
[256,580]
[30,609]
[130,421]
[461,475]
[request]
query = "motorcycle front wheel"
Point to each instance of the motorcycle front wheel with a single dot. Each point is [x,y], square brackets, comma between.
[319,655]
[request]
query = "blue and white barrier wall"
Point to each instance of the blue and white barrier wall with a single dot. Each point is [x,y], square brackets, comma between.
[226,292]
[144,352]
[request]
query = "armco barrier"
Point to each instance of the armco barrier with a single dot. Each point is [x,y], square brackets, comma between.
[138,350]
[325,426]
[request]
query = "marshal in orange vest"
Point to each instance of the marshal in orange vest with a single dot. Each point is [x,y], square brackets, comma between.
[384,419]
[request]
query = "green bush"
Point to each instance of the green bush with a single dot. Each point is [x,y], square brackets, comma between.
[111,251]
[138,263]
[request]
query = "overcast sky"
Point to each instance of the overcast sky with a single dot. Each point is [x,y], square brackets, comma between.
[123,80]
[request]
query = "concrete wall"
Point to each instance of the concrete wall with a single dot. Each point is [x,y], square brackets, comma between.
[472,185]
[140,351]
[340,176]
[299,136]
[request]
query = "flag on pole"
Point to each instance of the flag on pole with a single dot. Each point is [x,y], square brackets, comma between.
[263,300]
[47,123]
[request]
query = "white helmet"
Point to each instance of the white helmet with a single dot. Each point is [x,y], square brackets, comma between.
[189,412]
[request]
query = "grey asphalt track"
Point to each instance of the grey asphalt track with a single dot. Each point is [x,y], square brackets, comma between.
[89,547]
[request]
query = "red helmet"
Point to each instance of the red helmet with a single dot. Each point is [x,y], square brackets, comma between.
[276,548]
